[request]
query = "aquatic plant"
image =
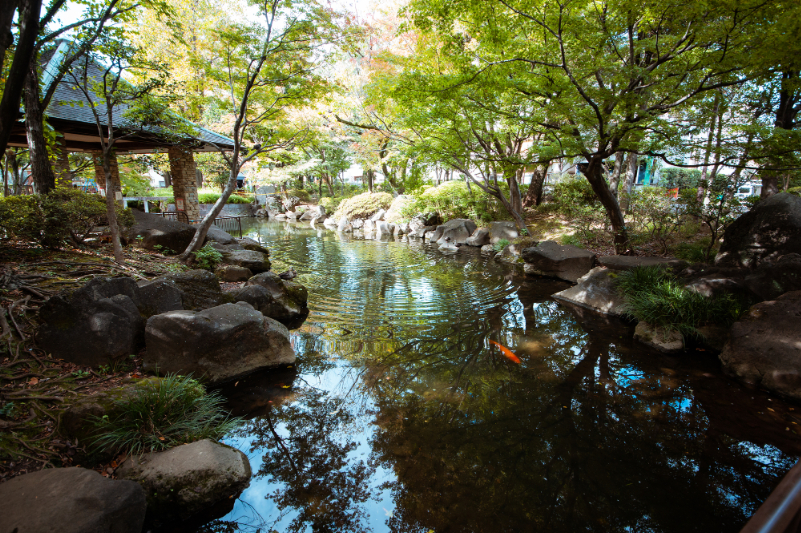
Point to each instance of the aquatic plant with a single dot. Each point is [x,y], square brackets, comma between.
[160,414]
[654,295]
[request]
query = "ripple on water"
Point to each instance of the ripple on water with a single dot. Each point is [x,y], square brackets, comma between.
[385,287]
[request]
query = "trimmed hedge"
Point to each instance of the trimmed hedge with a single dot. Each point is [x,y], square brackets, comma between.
[212,197]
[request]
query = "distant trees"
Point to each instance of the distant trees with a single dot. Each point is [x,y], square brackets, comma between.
[594,79]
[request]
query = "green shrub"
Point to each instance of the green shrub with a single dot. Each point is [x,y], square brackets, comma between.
[453,199]
[303,194]
[571,240]
[575,199]
[363,205]
[331,204]
[160,414]
[751,201]
[135,184]
[795,190]
[653,216]
[653,295]
[53,218]
[500,245]
[694,252]
[683,178]
[207,257]
[212,197]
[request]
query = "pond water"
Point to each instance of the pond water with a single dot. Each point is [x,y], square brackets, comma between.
[400,415]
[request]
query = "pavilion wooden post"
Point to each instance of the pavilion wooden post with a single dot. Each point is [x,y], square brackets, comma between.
[62,166]
[183,172]
[100,176]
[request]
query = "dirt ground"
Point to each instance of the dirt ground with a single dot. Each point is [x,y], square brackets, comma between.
[35,388]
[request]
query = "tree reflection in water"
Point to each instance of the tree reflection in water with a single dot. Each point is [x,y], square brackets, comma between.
[396,428]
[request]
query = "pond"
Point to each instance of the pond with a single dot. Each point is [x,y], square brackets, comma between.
[401,415]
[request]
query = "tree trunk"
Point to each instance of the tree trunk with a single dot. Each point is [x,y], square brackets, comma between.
[370,177]
[111,212]
[594,173]
[770,184]
[515,200]
[205,224]
[614,180]
[24,57]
[534,194]
[631,175]
[7,9]
[702,183]
[786,114]
[320,186]
[41,169]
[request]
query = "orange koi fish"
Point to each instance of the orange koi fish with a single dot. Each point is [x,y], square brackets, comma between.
[507,352]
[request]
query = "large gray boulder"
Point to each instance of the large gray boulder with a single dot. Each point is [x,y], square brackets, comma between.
[255,261]
[384,228]
[71,500]
[154,230]
[97,324]
[217,235]
[630,262]
[314,212]
[233,273]
[344,225]
[251,244]
[555,260]
[668,342]
[368,226]
[330,223]
[199,288]
[764,346]
[595,291]
[378,215]
[479,238]
[185,480]
[423,220]
[768,231]
[216,345]
[502,230]
[455,231]
[283,300]
[158,296]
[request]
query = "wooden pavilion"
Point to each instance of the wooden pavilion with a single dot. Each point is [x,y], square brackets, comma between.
[70,115]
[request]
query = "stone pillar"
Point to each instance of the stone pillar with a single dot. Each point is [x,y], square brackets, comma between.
[100,175]
[184,181]
[62,166]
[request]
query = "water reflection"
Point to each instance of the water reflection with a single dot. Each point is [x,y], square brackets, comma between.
[400,415]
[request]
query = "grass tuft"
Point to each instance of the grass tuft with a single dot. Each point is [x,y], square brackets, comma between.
[653,295]
[500,245]
[161,414]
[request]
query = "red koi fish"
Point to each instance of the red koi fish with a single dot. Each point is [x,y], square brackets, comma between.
[507,352]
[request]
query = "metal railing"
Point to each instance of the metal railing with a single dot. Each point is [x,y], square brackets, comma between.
[781,512]
[227,223]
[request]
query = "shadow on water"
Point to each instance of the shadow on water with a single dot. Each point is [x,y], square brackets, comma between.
[401,416]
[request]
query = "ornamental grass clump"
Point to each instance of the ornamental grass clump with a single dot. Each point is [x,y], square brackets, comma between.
[655,296]
[160,414]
